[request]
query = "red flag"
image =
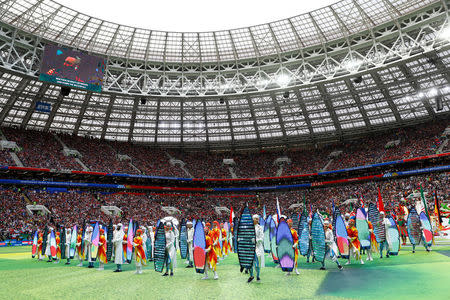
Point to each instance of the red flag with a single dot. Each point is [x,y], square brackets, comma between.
[231,216]
[380,204]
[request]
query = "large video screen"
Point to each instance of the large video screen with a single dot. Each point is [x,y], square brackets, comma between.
[72,68]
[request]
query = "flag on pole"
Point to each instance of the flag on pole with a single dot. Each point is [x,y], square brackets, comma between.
[264,212]
[278,212]
[231,215]
[361,202]
[437,210]
[310,211]
[333,207]
[380,204]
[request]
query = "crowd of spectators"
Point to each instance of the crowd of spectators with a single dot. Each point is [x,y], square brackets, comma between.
[75,207]
[41,149]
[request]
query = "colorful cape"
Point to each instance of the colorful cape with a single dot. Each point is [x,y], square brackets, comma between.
[183,239]
[318,238]
[262,222]
[393,237]
[426,229]
[130,238]
[413,227]
[377,223]
[109,242]
[336,212]
[246,239]
[160,248]
[303,233]
[285,252]
[73,242]
[34,248]
[266,241]
[199,245]
[363,228]
[273,239]
[53,244]
[295,220]
[342,237]
[95,238]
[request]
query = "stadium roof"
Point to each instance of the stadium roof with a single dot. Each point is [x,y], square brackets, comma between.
[349,68]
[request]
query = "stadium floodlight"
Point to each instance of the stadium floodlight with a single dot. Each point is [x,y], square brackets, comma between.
[445,33]
[352,65]
[283,80]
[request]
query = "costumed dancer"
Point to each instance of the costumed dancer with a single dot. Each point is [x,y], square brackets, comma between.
[401,222]
[310,251]
[216,235]
[87,246]
[355,245]
[331,249]
[144,240]
[384,225]
[139,252]
[373,242]
[346,219]
[124,245]
[149,243]
[39,245]
[48,252]
[101,254]
[190,243]
[79,250]
[170,249]
[224,241]
[258,262]
[67,242]
[118,250]
[58,248]
[211,254]
[295,246]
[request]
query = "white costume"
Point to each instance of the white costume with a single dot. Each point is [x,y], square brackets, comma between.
[190,242]
[331,245]
[170,246]
[259,250]
[67,242]
[47,246]
[87,244]
[117,242]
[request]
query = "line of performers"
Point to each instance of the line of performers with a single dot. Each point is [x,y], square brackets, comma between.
[219,243]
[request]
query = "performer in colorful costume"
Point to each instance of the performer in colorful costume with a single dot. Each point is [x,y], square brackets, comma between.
[39,244]
[170,248]
[67,242]
[355,245]
[124,245]
[384,225]
[79,251]
[331,249]
[216,235]
[211,255]
[101,254]
[58,248]
[139,252]
[258,262]
[294,245]
[401,222]
[224,241]
[118,249]
[373,242]
[190,242]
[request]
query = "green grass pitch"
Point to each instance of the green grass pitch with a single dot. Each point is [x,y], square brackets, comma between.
[408,276]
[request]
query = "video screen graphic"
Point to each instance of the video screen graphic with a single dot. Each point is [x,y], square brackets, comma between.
[72,68]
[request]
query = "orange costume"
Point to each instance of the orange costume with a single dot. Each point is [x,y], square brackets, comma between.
[102,250]
[224,242]
[211,255]
[39,244]
[215,235]
[295,243]
[139,251]
[124,245]
[79,249]
[58,249]
[353,235]
[373,240]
